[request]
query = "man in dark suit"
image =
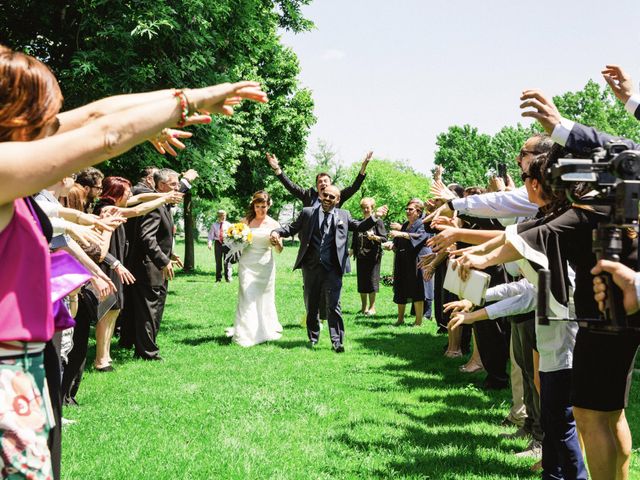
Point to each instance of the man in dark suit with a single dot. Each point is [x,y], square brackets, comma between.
[146,184]
[150,259]
[322,256]
[310,197]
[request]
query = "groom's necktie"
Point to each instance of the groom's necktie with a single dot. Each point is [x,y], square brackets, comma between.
[325,244]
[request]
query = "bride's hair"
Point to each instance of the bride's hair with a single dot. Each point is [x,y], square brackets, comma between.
[261,196]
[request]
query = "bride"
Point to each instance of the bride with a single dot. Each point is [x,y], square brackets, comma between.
[256,316]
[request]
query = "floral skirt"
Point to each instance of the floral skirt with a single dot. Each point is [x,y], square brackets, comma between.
[25,418]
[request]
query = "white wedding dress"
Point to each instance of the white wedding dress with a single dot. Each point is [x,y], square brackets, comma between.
[256,316]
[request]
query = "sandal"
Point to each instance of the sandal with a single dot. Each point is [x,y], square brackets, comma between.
[471,368]
[453,353]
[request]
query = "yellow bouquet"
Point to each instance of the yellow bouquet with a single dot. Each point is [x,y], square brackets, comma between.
[236,238]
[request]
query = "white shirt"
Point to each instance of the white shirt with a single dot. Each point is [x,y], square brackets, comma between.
[511,299]
[513,203]
[554,342]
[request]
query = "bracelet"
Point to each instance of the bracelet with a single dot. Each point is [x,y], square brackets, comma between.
[184,107]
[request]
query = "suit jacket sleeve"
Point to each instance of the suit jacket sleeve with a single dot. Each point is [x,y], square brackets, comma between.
[361,225]
[148,230]
[294,189]
[583,139]
[348,192]
[293,228]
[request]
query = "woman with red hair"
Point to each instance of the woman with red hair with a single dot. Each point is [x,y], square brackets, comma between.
[39,146]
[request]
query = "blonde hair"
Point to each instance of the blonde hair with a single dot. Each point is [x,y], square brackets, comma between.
[368,200]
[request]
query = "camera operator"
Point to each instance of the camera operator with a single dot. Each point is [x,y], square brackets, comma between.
[602,362]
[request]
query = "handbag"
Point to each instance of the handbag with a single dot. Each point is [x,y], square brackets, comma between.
[67,274]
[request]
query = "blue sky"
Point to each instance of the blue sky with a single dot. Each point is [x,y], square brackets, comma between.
[391,75]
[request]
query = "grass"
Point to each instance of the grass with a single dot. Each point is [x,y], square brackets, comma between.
[391,406]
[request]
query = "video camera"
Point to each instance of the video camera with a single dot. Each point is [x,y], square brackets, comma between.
[613,172]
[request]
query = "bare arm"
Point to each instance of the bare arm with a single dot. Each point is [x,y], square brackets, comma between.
[143,197]
[80,116]
[28,167]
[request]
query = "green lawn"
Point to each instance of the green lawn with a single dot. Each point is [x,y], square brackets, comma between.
[390,406]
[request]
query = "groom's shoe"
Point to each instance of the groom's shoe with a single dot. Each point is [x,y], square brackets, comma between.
[338,347]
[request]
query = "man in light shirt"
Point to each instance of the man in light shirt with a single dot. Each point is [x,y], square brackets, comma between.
[216,240]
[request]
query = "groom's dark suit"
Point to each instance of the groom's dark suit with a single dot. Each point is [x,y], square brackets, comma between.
[322,256]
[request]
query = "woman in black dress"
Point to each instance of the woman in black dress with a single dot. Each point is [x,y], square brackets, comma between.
[367,250]
[408,245]
[116,194]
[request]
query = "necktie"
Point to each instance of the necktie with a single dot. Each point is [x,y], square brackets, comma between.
[221,232]
[325,244]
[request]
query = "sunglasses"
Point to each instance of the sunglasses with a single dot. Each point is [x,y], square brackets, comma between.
[329,196]
[524,152]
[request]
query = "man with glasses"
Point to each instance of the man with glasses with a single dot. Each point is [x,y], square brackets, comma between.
[322,256]
[90,179]
[508,204]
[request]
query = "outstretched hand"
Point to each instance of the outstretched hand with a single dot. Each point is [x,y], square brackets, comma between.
[365,162]
[544,110]
[274,163]
[167,139]
[223,97]
[382,211]
[619,81]
[440,190]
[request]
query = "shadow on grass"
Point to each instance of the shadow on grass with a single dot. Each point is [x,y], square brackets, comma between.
[290,344]
[430,453]
[450,441]
[217,339]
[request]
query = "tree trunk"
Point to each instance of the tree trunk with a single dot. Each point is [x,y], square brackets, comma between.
[189,233]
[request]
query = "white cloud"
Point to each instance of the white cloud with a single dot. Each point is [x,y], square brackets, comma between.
[332,55]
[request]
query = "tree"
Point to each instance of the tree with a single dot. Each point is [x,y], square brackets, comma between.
[99,48]
[464,154]
[389,182]
[468,155]
[598,107]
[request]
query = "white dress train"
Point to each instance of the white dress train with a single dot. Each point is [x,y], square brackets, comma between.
[256,317]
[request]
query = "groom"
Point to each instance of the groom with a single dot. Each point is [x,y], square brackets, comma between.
[322,257]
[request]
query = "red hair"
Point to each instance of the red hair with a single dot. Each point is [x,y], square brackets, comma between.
[113,189]
[30,96]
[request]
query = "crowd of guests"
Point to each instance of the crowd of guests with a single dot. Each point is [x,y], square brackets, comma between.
[62,224]
[569,383]
[81,249]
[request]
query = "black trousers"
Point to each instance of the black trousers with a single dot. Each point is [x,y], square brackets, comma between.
[222,262]
[322,284]
[492,338]
[147,305]
[52,374]
[77,357]
[126,319]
